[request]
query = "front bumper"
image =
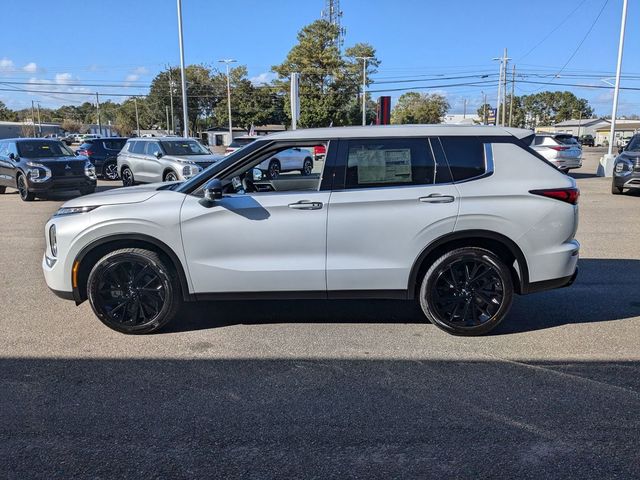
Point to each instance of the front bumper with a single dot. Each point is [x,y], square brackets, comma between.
[631,180]
[58,184]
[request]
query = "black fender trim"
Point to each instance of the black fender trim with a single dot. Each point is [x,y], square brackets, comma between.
[463,235]
[177,264]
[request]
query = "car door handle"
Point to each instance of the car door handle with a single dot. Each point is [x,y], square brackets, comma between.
[437,198]
[306,205]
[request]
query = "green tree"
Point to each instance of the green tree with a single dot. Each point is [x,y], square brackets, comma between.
[6,113]
[547,108]
[414,107]
[328,82]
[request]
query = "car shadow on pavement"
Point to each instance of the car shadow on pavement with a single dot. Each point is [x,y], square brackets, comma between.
[605,290]
[579,175]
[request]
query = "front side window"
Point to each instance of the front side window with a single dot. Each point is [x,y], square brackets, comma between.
[183,147]
[465,156]
[43,149]
[389,162]
[153,148]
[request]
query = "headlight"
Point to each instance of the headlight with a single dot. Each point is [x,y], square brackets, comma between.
[73,210]
[90,170]
[190,170]
[53,241]
[38,172]
[623,167]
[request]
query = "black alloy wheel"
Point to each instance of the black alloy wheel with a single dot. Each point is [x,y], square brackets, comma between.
[133,291]
[274,169]
[467,291]
[23,189]
[307,167]
[127,177]
[110,171]
[171,177]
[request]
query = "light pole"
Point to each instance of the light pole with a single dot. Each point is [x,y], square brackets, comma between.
[172,85]
[364,88]
[227,62]
[39,122]
[135,103]
[183,75]
[616,89]
[98,113]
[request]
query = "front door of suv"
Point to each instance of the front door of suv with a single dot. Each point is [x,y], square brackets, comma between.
[396,198]
[270,241]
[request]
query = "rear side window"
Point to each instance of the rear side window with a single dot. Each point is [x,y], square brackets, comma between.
[85,145]
[465,156]
[389,162]
[137,147]
[114,144]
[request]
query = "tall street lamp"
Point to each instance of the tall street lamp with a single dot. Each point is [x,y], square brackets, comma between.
[185,115]
[227,62]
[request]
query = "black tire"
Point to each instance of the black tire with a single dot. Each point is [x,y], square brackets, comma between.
[307,167]
[170,176]
[274,169]
[23,189]
[87,191]
[110,170]
[134,291]
[2,190]
[615,190]
[472,279]
[128,179]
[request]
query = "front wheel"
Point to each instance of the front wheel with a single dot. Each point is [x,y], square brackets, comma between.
[110,171]
[134,291]
[23,189]
[274,169]
[2,190]
[467,291]
[171,177]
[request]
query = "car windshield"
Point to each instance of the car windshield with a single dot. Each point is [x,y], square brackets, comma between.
[43,149]
[183,147]
[634,144]
[241,142]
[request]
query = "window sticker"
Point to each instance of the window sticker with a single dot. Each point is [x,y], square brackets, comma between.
[382,166]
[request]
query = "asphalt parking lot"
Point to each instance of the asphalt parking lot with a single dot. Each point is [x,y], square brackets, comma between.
[313,389]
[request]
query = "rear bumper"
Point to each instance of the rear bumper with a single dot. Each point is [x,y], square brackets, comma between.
[552,284]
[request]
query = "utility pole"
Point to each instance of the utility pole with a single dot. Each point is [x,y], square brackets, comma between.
[502,88]
[484,108]
[513,87]
[499,92]
[98,112]
[464,109]
[364,88]
[227,62]
[167,111]
[616,89]
[505,62]
[39,122]
[183,75]
[33,118]
[135,103]
[171,87]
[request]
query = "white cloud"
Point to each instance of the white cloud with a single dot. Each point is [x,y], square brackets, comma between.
[63,78]
[140,70]
[132,77]
[265,77]
[30,67]
[6,65]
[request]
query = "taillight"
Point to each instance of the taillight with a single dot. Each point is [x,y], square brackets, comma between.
[568,195]
[559,148]
[88,152]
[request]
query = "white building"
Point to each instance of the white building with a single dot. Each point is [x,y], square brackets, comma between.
[461,119]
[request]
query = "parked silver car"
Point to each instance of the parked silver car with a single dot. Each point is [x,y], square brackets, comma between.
[563,150]
[162,159]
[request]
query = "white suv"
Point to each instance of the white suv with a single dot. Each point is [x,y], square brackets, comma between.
[458,217]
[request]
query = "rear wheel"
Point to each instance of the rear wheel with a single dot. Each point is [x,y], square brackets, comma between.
[467,291]
[110,170]
[274,169]
[134,291]
[23,189]
[2,190]
[127,177]
[615,189]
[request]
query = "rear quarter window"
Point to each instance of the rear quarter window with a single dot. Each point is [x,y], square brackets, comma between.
[465,156]
[113,144]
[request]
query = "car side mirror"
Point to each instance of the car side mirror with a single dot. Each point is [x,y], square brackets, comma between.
[12,156]
[257,174]
[620,149]
[213,190]
[158,154]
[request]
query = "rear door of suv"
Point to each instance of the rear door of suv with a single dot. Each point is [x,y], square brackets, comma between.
[391,198]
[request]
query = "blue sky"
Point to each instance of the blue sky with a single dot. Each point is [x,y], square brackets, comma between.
[125,43]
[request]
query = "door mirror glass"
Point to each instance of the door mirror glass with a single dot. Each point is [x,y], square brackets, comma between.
[257,174]
[213,190]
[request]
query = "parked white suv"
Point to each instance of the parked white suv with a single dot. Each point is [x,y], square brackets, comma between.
[458,217]
[563,150]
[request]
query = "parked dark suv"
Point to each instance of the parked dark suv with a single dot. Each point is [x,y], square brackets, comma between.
[37,166]
[587,141]
[103,153]
[626,171]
